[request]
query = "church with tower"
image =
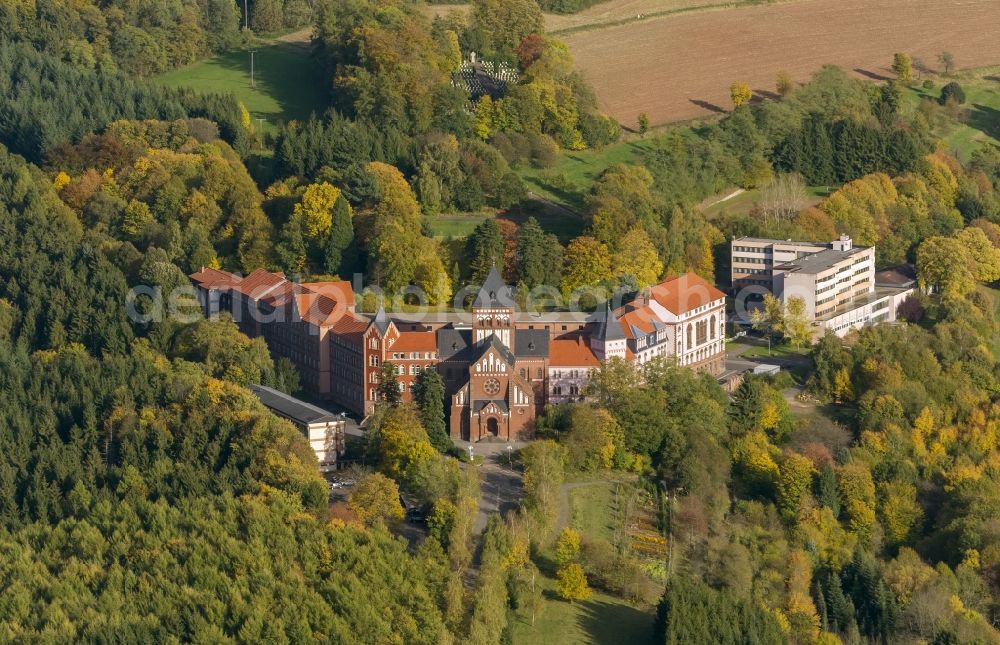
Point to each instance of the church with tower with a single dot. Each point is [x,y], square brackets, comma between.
[500,366]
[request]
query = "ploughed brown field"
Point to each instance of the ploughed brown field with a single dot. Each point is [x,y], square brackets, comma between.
[681,66]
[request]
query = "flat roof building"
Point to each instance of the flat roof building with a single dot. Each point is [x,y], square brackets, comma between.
[323,429]
[836,281]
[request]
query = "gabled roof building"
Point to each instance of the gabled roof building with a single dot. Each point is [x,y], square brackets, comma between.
[499,369]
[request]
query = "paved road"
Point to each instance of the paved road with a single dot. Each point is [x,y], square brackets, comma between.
[502,481]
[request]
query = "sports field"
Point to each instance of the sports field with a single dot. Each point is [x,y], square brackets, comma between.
[680,66]
[287,83]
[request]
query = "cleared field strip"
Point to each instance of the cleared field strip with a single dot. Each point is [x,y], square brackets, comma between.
[680,67]
[618,12]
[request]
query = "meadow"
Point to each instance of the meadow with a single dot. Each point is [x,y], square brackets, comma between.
[590,507]
[568,180]
[978,120]
[287,83]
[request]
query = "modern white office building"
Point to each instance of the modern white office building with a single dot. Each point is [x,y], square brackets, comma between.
[836,281]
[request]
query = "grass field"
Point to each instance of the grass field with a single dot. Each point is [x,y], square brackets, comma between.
[979,122]
[569,180]
[288,85]
[681,66]
[551,217]
[591,510]
[744,202]
[602,620]
[443,226]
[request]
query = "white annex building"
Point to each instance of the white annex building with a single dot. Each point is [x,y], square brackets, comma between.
[837,281]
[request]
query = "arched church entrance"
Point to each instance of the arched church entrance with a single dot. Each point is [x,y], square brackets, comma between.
[493,427]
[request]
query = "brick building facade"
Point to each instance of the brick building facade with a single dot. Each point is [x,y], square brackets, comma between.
[500,367]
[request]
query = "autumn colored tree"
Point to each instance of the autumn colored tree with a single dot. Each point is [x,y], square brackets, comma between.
[316,209]
[784,84]
[794,482]
[740,93]
[637,259]
[375,498]
[571,583]
[484,117]
[586,262]
[944,264]
[769,319]
[643,123]
[509,233]
[796,325]
[984,255]
[857,493]
[530,50]
[902,65]
[567,547]
[391,229]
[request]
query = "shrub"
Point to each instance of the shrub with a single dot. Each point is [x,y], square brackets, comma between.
[952,91]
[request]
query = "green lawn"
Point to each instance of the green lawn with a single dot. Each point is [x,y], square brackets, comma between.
[601,620]
[778,350]
[569,180]
[743,203]
[592,510]
[288,82]
[553,219]
[981,122]
[443,226]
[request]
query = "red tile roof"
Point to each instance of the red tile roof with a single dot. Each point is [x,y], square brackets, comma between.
[637,316]
[319,303]
[686,292]
[260,283]
[415,341]
[572,352]
[340,291]
[215,279]
[350,326]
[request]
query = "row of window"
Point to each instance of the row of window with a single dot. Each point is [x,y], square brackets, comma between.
[749,260]
[414,356]
[557,374]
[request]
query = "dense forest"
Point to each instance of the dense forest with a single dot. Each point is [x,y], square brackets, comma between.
[145,494]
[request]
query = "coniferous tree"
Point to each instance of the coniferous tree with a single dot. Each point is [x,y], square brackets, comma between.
[428,394]
[484,250]
[291,249]
[828,495]
[340,239]
[531,254]
[821,171]
[388,385]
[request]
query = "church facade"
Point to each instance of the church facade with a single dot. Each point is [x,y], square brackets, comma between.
[500,366]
